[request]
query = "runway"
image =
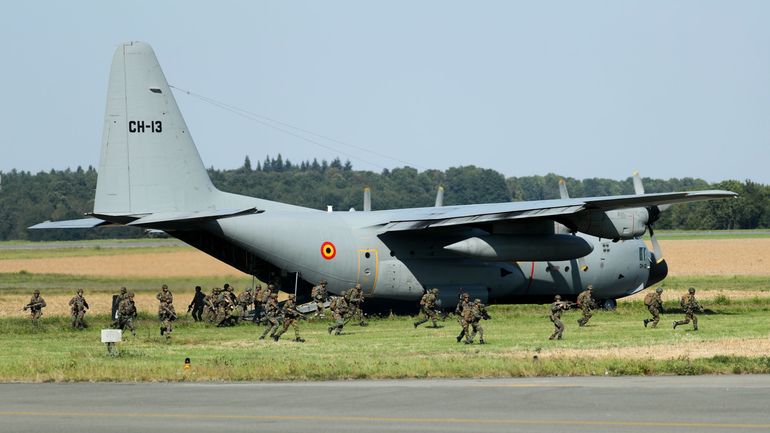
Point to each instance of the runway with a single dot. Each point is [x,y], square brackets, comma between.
[592,404]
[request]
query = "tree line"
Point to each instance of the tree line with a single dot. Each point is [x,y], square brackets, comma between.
[27,199]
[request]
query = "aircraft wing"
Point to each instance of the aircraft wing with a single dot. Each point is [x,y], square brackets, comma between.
[423,218]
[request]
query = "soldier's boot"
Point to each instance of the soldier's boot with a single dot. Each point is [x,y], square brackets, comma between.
[162,331]
[419,322]
[460,337]
[695,327]
[675,323]
[330,329]
[362,323]
[299,340]
[481,341]
[646,321]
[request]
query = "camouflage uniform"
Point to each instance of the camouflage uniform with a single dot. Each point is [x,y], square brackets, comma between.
[355,298]
[654,306]
[127,313]
[339,312]
[35,307]
[209,305]
[272,315]
[78,307]
[166,312]
[428,307]
[586,302]
[197,304]
[244,300]
[257,302]
[689,305]
[464,304]
[319,295]
[557,308]
[478,312]
[224,304]
[465,321]
[291,318]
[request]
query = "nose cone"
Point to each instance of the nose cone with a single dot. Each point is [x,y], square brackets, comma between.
[658,271]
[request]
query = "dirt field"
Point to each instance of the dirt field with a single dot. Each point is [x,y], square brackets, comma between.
[717,257]
[188,262]
[57,305]
[685,258]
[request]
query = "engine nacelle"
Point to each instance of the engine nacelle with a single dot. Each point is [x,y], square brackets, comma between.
[614,224]
[508,248]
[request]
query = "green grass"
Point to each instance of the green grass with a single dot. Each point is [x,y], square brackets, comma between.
[388,348]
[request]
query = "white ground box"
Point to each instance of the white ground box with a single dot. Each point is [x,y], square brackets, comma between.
[112,335]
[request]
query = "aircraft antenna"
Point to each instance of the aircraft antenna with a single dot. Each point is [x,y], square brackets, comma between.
[271,123]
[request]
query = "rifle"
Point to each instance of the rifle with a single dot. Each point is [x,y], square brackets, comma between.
[485,315]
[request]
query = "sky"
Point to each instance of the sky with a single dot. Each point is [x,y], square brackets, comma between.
[585,89]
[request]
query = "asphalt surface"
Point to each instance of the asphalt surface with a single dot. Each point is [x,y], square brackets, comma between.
[603,404]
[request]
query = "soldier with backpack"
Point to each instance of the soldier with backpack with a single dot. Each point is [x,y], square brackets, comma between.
[689,304]
[654,305]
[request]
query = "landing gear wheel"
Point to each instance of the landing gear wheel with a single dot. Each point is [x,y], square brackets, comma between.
[610,304]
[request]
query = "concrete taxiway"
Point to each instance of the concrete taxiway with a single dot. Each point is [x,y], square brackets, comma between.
[589,404]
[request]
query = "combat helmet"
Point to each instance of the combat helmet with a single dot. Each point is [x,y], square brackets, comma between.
[36,292]
[557,298]
[80,291]
[659,290]
[691,290]
[477,301]
[434,291]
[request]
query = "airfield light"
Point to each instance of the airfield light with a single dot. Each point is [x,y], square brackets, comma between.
[187,363]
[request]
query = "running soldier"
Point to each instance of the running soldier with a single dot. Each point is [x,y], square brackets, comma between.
[339,309]
[272,315]
[690,305]
[127,313]
[586,302]
[35,306]
[319,295]
[166,312]
[257,302]
[428,307]
[78,307]
[557,308]
[355,298]
[462,305]
[478,311]
[654,305]
[291,318]
[224,305]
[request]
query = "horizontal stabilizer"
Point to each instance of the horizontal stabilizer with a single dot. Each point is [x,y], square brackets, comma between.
[82,223]
[182,220]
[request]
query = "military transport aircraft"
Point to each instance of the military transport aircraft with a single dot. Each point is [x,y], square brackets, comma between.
[151,176]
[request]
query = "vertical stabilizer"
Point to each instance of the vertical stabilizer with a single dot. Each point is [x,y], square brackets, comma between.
[149,162]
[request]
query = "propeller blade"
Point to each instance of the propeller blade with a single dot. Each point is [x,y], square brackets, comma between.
[440,196]
[563,189]
[656,249]
[638,187]
[367,199]
[663,207]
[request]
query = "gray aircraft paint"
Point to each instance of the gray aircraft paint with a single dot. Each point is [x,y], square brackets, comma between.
[151,176]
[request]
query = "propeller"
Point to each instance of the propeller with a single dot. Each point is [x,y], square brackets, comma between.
[653,215]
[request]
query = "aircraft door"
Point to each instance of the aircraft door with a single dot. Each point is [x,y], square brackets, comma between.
[368,262]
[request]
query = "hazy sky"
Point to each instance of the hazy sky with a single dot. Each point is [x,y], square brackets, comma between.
[583,89]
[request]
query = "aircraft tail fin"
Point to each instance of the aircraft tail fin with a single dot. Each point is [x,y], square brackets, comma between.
[149,162]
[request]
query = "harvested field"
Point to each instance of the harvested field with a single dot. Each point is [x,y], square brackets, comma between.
[720,257]
[175,263]
[691,257]
[57,305]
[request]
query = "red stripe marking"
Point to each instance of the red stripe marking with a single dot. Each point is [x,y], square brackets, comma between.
[531,275]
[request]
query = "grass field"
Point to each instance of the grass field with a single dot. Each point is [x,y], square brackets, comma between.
[733,339]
